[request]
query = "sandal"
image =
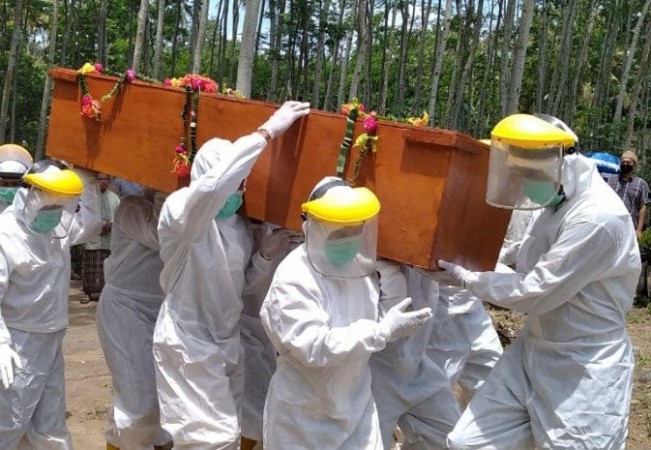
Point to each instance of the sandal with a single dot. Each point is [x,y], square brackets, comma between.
[85,300]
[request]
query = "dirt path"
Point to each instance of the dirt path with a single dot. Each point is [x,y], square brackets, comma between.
[88,383]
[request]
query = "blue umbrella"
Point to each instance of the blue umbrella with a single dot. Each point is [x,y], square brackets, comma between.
[606,162]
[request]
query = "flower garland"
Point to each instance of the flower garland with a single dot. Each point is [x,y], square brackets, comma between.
[193,85]
[421,121]
[91,107]
[366,142]
[352,110]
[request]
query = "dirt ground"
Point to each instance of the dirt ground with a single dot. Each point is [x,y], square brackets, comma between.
[88,382]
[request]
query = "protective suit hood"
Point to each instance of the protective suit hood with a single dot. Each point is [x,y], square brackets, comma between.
[20,205]
[578,174]
[208,157]
[20,200]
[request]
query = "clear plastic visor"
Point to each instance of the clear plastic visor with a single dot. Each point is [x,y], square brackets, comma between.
[41,202]
[339,251]
[523,178]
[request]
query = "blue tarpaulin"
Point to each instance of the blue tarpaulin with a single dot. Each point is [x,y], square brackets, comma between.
[606,162]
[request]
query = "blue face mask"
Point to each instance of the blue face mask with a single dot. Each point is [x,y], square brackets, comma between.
[542,192]
[7,194]
[342,251]
[233,203]
[46,220]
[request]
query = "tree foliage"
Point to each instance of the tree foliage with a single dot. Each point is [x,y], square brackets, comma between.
[582,59]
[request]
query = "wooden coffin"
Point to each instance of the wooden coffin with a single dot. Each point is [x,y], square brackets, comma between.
[431,182]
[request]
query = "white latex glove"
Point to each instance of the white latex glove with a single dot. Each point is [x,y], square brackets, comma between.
[284,117]
[8,357]
[458,275]
[398,323]
[275,243]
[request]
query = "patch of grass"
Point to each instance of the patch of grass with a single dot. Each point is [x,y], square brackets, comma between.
[644,362]
[639,315]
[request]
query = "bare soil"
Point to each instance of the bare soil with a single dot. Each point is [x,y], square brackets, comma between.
[88,382]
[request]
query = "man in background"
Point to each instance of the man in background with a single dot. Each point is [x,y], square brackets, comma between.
[633,190]
[98,249]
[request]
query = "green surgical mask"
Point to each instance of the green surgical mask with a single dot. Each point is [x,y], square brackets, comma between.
[342,251]
[46,220]
[542,192]
[7,194]
[233,203]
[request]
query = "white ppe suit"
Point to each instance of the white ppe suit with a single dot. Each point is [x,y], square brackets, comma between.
[410,387]
[324,330]
[197,350]
[34,285]
[126,315]
[565,382]
[259,354]
[467,343]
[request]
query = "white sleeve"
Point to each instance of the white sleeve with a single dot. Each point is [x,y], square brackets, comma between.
[581,255]
[190,210]
[292,317]
[5,337]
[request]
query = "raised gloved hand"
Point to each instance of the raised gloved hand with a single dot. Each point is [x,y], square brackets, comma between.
[8,357]
[284,117]
[399,323]
[458,276]
[275,243]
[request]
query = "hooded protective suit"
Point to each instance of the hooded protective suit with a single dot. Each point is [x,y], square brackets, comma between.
[197,350]
[468,345]
[259,354]
[566,381]
[410,387]
[34,285]
[324,330]
[126,315]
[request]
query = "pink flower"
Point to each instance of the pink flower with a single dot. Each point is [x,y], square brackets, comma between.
[167,82]
[90,107]
[179,149]
[181,169]
[99,67]
[370,123]
[130,75]
[210,87]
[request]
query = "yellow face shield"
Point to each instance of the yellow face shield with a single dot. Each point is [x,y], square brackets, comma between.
[526,160]
[348,207]
[56,180]
[341,232]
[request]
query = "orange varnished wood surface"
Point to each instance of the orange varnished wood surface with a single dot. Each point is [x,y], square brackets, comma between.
[431,182]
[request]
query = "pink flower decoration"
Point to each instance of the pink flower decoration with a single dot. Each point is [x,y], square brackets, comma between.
[86,100]
[370,124]
[210,88]
[130,75]
[179,149]
[99,67]
[167,82]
